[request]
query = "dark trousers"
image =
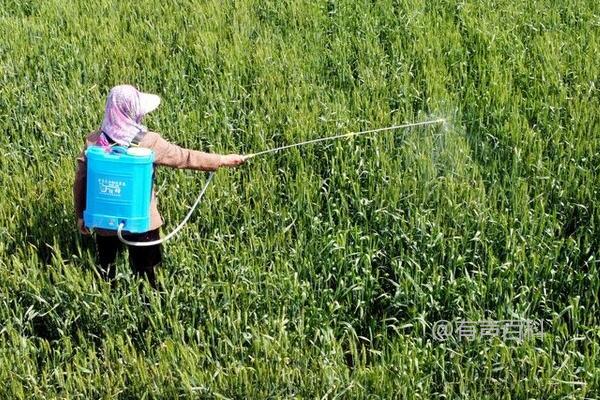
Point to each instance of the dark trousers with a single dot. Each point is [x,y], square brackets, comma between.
[142,260]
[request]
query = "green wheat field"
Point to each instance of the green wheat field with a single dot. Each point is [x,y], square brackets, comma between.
[318,272]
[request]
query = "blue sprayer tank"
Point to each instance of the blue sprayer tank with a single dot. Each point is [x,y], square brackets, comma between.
[119,188]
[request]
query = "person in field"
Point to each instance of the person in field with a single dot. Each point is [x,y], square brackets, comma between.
[125,108]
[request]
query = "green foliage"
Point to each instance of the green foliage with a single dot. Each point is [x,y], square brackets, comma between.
[317,272]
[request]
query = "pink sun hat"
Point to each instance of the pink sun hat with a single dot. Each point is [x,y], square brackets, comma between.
[125,108]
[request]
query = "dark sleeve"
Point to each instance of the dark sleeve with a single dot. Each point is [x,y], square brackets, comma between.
[171,155]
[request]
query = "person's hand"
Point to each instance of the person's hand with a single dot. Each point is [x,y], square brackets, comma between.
[82,228]
[232,160]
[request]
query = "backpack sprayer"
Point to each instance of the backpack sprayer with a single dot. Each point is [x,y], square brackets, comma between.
[119,185]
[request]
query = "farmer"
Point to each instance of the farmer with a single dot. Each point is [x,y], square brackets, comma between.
[125,108]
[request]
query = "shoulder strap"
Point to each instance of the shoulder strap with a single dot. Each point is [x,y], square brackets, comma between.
[135,142]
[138,138]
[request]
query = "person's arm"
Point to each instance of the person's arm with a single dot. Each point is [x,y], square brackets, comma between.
[172,155]
[79,192]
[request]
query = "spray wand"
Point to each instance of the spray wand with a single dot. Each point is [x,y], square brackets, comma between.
[350,134]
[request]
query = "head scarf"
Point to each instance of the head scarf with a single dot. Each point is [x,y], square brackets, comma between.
[123,114]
